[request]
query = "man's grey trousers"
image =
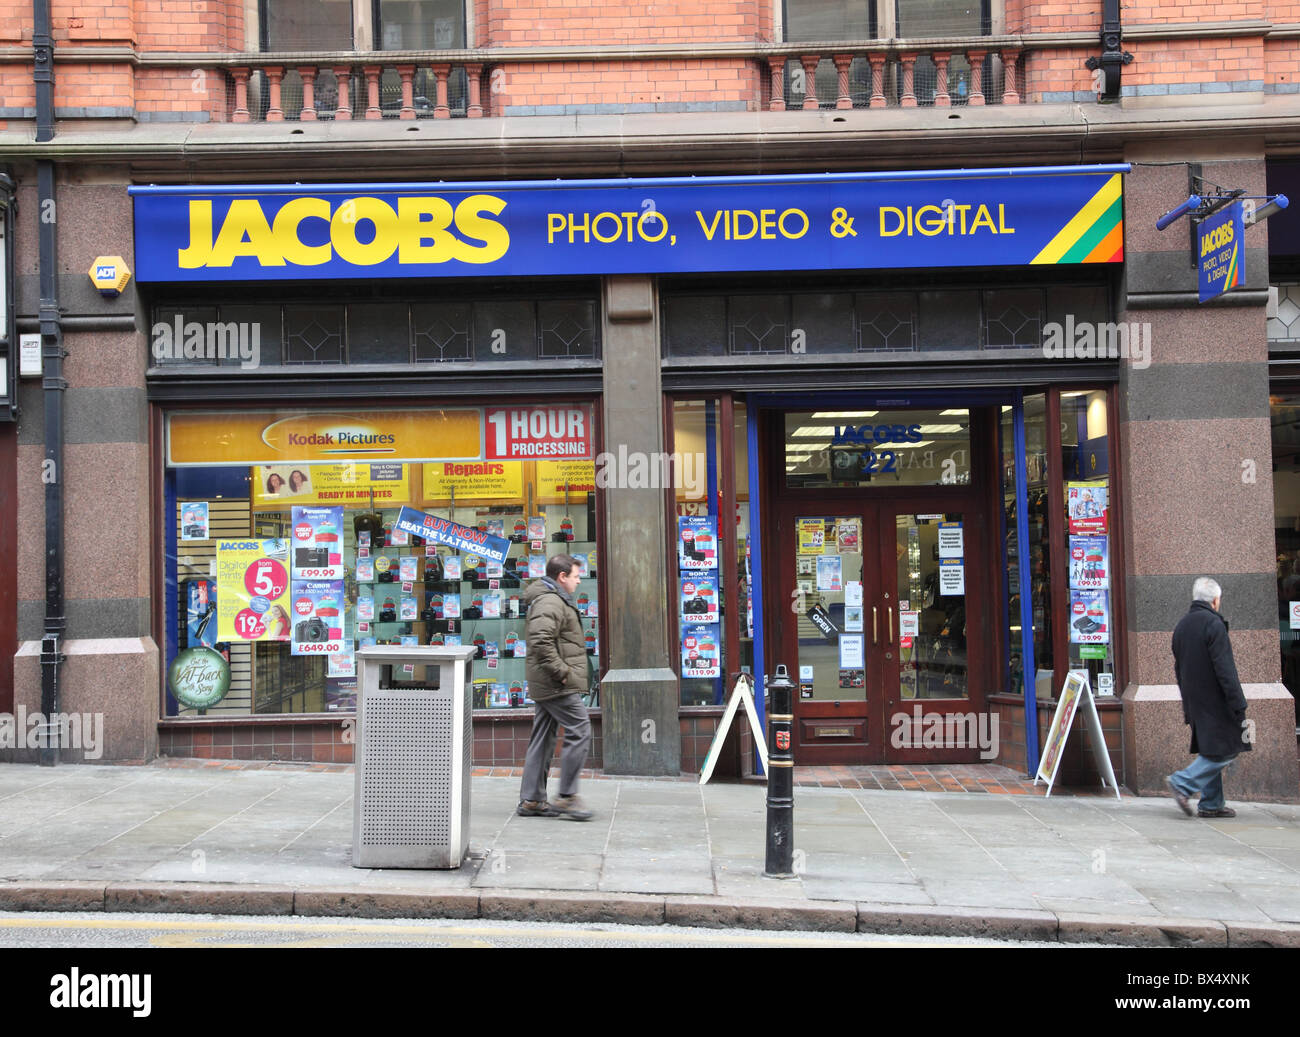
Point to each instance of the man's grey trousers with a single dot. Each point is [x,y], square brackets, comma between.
[568,712]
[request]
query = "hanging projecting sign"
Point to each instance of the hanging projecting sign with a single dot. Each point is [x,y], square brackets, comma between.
[842,221]
[1219,252]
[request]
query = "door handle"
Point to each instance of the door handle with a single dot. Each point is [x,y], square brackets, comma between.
[875,626]
[889,611]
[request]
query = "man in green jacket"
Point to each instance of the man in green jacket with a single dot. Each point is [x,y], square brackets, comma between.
[557,679]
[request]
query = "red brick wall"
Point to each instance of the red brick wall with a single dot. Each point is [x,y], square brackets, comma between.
[1159,12]
[1196,61]
[92,86]
[1026,16]
[1281,62]
[182,90]
[524,23]
[631,82]
[175,25]
[93,21]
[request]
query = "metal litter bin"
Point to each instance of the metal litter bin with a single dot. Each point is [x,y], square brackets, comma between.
[414,751]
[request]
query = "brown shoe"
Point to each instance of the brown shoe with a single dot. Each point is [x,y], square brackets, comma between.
[1221,812]
[1184,804]
[535,808]
[571,807]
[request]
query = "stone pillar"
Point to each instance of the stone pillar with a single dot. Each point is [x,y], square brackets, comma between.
[111,670]
[1197,487]
[639,695]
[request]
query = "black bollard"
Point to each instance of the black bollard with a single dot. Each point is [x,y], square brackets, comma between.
[780,777]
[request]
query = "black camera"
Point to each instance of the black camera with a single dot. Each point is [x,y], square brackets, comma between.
[696,607]
[385,575]
[369,522]
[432,569]
[311,631]
[388,614]
[195,533]
[471,612]
[311,557]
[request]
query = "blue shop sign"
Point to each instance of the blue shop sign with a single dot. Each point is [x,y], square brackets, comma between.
[991,217]
[1219,252]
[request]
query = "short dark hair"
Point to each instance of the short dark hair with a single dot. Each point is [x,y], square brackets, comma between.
[558,565]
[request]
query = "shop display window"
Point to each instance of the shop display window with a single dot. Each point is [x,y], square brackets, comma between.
[1285,412]
[1070,553]
[1091,589]
[1036,553]
[713,644]
[284,553]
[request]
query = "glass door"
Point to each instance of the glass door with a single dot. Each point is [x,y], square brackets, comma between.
[934,637]
[829,557]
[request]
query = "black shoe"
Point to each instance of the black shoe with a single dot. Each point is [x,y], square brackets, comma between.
[535,808]
[1221,812]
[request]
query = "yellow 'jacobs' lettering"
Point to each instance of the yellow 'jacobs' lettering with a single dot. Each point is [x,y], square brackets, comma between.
[1216,239]
[364,231]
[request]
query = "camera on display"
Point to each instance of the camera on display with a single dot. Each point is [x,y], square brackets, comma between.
[696,607]
[311,557]
[311,631]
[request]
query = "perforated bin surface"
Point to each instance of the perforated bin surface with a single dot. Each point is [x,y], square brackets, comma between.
[408,761]
[414,761]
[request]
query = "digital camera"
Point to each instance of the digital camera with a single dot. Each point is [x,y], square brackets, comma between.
[385,576]
[311,631]
[696,607]
[388,614]
[195,532]
[311,557]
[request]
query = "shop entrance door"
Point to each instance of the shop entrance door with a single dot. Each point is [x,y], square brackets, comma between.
[888,659]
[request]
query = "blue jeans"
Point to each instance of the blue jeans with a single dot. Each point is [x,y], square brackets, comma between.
[1203,777]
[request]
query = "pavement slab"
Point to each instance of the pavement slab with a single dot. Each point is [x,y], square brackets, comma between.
[279,839]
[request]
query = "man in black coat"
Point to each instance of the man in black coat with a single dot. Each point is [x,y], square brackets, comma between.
[1213,702]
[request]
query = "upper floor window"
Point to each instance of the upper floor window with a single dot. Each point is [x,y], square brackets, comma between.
[828,20]
[419,24]
[342,25]
[304,25]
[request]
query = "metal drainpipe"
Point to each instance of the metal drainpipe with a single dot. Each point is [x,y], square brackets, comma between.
[1112,60]
[53,384]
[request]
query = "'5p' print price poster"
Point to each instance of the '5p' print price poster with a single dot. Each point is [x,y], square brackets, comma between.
[253,590]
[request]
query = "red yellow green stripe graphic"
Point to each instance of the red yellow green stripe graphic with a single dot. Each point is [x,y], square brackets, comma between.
[1095,234]
[1234,267]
